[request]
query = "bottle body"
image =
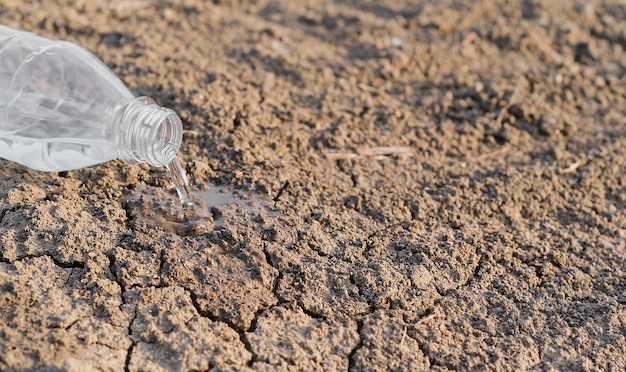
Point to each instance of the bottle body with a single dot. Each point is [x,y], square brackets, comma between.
[61,108]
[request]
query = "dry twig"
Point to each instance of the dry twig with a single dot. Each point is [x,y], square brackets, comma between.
[373,151]
[469,38]
[488,155]
[572,167]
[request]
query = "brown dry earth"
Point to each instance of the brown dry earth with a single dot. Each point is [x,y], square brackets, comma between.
[424,185]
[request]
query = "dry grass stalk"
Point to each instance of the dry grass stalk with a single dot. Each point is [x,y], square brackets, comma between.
[372,151]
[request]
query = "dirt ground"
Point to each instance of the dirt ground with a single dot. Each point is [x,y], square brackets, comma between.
[382,185]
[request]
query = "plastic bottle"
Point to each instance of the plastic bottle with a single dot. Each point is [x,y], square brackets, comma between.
[61,108]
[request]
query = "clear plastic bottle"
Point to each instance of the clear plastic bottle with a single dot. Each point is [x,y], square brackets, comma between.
[61,108]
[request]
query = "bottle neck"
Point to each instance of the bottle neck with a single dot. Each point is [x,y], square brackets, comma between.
[148,133]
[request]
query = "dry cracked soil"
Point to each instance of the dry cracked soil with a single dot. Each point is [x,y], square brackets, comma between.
[382,185]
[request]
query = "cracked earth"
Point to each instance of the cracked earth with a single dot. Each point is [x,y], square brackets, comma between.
[391,185]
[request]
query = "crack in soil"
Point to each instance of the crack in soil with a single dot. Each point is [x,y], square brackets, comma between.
[130,324]
[371,305]
[279,277]
[359,345]
[112,271]
[203,313]
[128,212]
[430,313]
[70,265]
[162,262]
[56,262]
[469,280]
[133,343]
[129,354]
[242,334]
[280,192]
[71,324]
[432,361]
[5,211]
[194,300]
[280,300]
[310,313]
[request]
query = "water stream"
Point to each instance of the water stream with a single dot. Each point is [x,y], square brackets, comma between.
[179,177]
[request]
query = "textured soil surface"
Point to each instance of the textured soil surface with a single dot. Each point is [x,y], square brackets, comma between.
[382,185]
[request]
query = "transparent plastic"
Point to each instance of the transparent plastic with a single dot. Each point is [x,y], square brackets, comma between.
[61,108]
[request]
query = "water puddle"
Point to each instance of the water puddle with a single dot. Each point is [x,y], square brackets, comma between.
[196,211]
[201,211]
